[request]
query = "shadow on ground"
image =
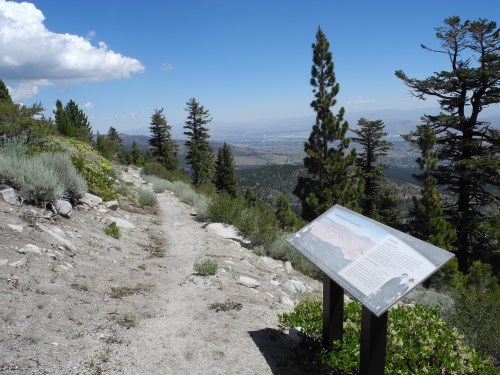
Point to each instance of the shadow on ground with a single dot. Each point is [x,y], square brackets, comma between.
[283,355]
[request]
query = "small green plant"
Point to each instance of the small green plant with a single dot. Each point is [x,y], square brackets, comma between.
[206,267]
[128,321]
[225,306]
[28,217]
[50,315]
[124,291]
[142,267]
[54,277]
[80,287]
[112,230]
[105,355]
[156,246]
[146,197]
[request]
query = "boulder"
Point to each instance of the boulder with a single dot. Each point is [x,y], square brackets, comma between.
[63,207]
[288,267]
[248,282]
[271,263]
[29,248]
[294,286]
[9,196]
[91,199]
[112,205]
[62,241]
[17,228]
[121,223]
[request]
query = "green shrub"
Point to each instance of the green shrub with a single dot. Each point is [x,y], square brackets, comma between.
[477,309]
[146,197]
[41,178]
[96,170]
[155,168]
[159,184]
[206,267]
[73,183]
[431,298]
[418,341]
[112,230]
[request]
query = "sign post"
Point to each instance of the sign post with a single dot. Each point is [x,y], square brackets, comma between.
[333,311]
[376,264]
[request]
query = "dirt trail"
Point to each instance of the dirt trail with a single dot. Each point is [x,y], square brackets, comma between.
[190,338]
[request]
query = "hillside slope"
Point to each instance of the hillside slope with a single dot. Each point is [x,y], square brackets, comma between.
[107,305]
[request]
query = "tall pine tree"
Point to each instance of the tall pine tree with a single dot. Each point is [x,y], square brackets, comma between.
[331,178]
[426,217]
[467,147]
[378,200]
[200,156]
[72,122]
[115,144]
[162,145]
[225,173]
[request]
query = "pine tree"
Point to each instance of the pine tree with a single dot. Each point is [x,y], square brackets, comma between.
[250,197]
[162,145]
[225,173]
[331,178]
[467,147]
[200,156]
[4,94]
[72,122]
[286,217]
[102,145]
[135,153]
[426,217]
[115,144]
[379,202]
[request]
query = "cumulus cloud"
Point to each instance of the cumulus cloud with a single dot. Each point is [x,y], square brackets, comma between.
[88,105]
[33,56]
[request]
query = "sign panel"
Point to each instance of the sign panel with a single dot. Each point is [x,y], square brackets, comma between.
[378,265]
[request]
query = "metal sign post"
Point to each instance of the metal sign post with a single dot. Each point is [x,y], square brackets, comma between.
[373,343]
[333,311]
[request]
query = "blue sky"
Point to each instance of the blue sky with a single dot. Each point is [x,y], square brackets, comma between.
[248,62]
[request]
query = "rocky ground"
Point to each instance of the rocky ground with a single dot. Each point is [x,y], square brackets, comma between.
[77,301]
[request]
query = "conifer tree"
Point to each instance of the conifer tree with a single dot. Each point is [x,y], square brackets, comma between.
[331,178]
[135,153]
[467,147]
[4,94]
[225,173]
[286,217]
[200,156]
[162,145]
[115,143]
[102,145]
[426,217]
[378,202]
[72,122]
[250,197]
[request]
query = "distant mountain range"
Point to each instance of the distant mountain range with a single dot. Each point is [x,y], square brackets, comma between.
[294,131]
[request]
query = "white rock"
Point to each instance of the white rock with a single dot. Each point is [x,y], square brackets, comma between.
[29,248]
[225,231]
[19,263]
[248,281]
[63,207]
[271,263]
[91,199]
[102,210]
[285,300]
[288,267]
[63,241]
[3,262]
[294,286]
[122,223]
[275,282]
[112,205]
[18,228]
[9,196]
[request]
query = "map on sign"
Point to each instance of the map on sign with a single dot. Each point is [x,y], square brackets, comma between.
[376,264]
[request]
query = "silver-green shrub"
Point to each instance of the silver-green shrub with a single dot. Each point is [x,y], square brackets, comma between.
[146,197]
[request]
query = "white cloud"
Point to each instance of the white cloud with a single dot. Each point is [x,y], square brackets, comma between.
[361,101]
[167,67]
[33,56]
[88,105]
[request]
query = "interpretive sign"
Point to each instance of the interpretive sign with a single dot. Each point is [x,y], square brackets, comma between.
[376,264]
